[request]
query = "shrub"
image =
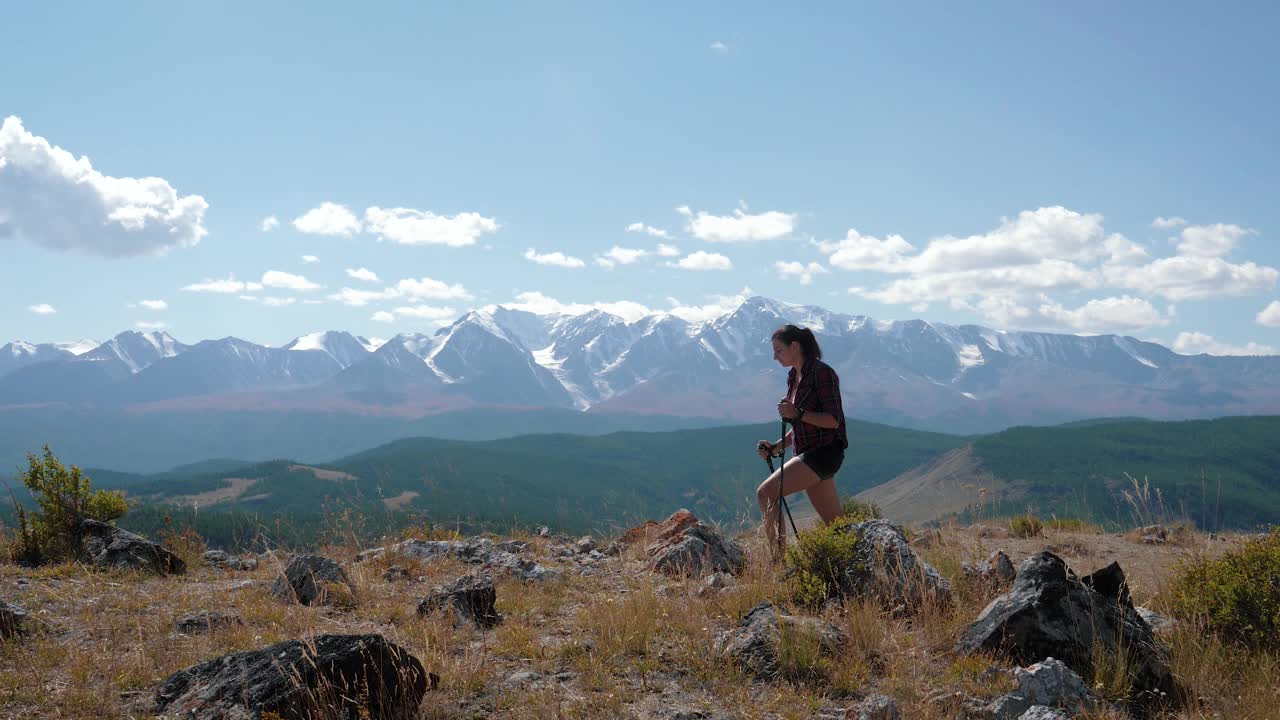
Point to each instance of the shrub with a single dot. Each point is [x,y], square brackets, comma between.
[817,561]
[859,510]
[1025,526]
[64,499]
[1237,595]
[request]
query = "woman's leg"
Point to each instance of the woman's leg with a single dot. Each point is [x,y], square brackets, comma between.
[798,477]
[825,500]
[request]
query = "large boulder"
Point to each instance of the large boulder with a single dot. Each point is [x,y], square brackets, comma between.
[469,598]
[1049,612]
[755,644]
[313,580]
[107,546]
[684,545]
[334,676]
[885,566]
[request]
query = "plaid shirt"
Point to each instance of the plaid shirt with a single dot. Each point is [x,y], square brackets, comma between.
[819,391]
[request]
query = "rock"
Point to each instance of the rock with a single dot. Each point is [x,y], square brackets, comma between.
[1050,613]
[683,545]
[474,551]
[613,549]
[1041,712]
[754,644]
[470,598]
[512,546]
[206,621]
[1047,684]
[520,679]
[107,546]
[584,545]
[217,558]
[641,534]
[885,566]
[12,619]
[394,573]
[996,570]
[249,563]
[874,707]
[294,679]
[221,559]
[313,580]
[1158,622]
[543,531]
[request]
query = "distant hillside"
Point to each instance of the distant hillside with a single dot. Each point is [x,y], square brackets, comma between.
[1215,473]
[574,482]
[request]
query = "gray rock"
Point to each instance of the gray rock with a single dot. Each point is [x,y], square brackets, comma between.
[1051,613]
[204,621]
[542,531]
[754,644]
[394,573]
[470,598]
[698,549]
[512,546]
[613,549]
[520,679]
[1158,622]
[308,578]
[217,558]
[12,619]
[1041,712]
[293,679]
[221,559]
[886,566]
[474,551]
[997,569]
[107,546]
[584,545]
[875,707]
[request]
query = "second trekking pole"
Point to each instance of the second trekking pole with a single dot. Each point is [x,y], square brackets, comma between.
[782,500]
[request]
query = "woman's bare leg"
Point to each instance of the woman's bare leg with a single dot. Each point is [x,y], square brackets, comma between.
[798,477]
[825,500]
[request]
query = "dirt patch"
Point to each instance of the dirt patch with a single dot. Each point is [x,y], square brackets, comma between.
[399,501]
[948,484]
[322,474]
[234,488]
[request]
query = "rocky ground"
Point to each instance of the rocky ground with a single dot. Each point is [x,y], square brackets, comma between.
[544,626]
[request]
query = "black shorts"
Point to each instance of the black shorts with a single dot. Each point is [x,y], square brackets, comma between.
[825,461]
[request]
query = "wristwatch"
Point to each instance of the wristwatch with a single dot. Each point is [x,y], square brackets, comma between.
[801,415]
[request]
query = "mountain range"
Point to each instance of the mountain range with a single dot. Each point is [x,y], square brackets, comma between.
[911,373]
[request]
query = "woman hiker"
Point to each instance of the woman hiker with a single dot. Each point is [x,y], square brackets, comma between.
[812,407]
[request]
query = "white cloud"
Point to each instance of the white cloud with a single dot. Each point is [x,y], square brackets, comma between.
[1164,223]
[42,309]
[250,298]
[430,289]
[558,259]
[739,227]
[230,286]
[145,325]
[864,252]
[417,227]
[799,270]
[1210,240]
[718,306]
[637,227]
[154,304]
[364,274]
[1105,315]
[60,202]
[269,223]
[414,288]
[536,302]
[286,281]
[664,250]
[278,301]
[1185,277]
[702,260]
[1048,232]
[440,315]
[310,259]
[1194,343]
[719,47]
[383,316]
[1270,315]
[625,256]
[328,218]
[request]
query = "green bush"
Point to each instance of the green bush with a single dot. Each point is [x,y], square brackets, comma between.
[817,559]
[1025,526]
[1237,595]
[64,498]
[859,510]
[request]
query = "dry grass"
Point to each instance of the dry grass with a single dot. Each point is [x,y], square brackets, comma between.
[620,643]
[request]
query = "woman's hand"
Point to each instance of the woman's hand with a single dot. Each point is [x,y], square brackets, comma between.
[764,449]
[787,410]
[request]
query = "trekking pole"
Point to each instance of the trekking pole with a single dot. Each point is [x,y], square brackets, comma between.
[782,500]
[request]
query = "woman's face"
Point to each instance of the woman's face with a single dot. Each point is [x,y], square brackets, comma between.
[787,355]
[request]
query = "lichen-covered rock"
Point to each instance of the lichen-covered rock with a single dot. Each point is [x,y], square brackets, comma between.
[755,644]
[886,566]
[107,546]
[470,598]
[338,676]
[1048,684]
[684,545]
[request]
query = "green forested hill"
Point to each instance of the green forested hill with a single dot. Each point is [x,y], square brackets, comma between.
[1215,473]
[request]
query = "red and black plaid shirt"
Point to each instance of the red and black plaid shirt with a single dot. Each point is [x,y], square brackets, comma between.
[819,392]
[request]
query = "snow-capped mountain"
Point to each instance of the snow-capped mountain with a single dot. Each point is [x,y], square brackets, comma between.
[20,354]
[913,372]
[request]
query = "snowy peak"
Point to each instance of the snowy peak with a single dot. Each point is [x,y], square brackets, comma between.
[136,350]
[343,347]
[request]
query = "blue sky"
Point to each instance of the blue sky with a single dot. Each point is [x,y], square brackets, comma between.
[1097,168]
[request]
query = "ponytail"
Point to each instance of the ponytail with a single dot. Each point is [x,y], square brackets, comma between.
[788,334]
